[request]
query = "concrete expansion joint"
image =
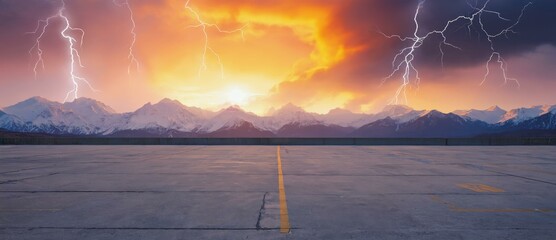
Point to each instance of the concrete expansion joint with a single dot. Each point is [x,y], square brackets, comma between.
[21,170]
[23,179]
[487,169]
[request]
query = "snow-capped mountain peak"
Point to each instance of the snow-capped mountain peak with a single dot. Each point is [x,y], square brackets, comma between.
[399,113]
[396,109]
[549,108]
[293,112]
[170,101]
[32,108]
[228,117]
[490,115]
[495,108]
[167,113]
[164,106]
[521,114]
[85,116]
[344,118]
[288,109]
[82,116]
[289,113]
[231,109]
[88,106]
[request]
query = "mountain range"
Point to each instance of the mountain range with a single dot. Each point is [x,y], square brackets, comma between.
[170,118]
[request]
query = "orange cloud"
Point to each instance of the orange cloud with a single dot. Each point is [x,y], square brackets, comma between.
[319,54]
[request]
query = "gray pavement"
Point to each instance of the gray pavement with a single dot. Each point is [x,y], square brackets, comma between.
[232,192]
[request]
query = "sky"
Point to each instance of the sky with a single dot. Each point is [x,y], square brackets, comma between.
[317,54]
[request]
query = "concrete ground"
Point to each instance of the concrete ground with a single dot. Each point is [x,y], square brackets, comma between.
[234,192]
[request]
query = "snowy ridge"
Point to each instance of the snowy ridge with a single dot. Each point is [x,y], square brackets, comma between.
[289,113]
[8,121]
[519,115]
[86,116]
[490,115]
[344,118]
[168,114]
[227,118]
[82,116]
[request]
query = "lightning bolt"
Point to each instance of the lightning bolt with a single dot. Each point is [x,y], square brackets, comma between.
[403,61]
[206,46]
[75,58]
[133,61]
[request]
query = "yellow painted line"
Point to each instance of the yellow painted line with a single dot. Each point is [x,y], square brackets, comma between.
[284,220]
[480,187]
[454,208]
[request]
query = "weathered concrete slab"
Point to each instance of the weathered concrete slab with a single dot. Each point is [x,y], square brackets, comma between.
[231,192]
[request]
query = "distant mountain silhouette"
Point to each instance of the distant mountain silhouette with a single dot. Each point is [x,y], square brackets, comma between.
[170,118]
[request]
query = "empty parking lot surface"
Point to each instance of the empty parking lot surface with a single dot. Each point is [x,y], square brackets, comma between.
[271,192]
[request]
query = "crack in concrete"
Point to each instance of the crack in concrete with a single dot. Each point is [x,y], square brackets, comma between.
[261,211]
[395,175]
[128,191]
[487,169]
[27,178]
[145,228]
[168,173]
[24,169]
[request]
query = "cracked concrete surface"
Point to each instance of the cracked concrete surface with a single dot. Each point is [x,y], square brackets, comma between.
[261,212]
[231,192]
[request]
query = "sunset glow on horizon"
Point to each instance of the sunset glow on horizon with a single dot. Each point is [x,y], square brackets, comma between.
[316,54]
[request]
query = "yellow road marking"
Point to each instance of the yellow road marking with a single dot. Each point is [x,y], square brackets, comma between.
[454,208]
[480,187]
[284,220]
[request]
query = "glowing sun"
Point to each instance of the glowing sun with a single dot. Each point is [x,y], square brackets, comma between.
[238,95]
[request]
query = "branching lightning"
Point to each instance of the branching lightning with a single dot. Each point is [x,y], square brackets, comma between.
[206,46]
[75,58]
[403,61]
[133,61]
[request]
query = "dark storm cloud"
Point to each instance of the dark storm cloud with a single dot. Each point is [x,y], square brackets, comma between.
[351,24]
[365,18]
[16,19]
[535,29]
[360,21]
